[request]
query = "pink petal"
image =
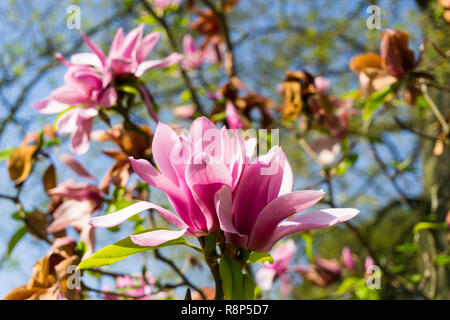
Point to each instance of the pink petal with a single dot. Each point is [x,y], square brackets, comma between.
[148,103]
[68,95]
[95,49]
[149,174]
[154,238]
[131,42]
[172,59]
[287,184]
[117,42]
[67,122]
[311,220]
[204,180]
[147,45]
[108,98]
[50,106]
[223,204]
[264,278]
[76,166]
[116,218]
[262,188]
[189,45]
[165,144]
[278,210]
[86,58]
[67,213]
[80,138]
[282,255]
[233,118]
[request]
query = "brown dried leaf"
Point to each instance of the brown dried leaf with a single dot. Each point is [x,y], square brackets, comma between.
[49,178]
[366,60]
[20,163]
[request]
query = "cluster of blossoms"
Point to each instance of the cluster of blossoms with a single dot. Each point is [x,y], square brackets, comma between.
[90,78]
[214,182]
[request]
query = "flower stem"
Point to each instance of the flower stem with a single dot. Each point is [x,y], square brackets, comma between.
[435,109]
[208,244]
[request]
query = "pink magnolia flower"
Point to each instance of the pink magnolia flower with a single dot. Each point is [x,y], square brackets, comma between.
[193,56]
[127,54]
[282,256]
[137,287]
[83,89]
[254,215]
[193,167]
[212,185]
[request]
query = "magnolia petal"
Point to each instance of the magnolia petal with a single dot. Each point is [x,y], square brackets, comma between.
[154,238]
[147,45]
[165,143]
[76,166]
[311,220]
[87,58]
[116,218]
[279,209]
[95,49]
[68,95]
[204,180]
[287,183]
[67,122]
[108,98]
[131,42]
[264,278]
[80,139]
[50,106]
[117,42]
[149,174]
[172,59]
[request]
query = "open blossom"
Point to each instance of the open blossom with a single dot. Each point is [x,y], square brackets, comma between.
[193,168]
[83,89]
[213,186]
[127,54]
[193,56]
[132,286]
[260,211]
[282,256]
[80,200]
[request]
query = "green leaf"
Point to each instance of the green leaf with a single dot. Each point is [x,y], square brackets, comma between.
[148,19]
[185,96]
[260,257]
[442,260]
[236,285]
[218,116]
[4,154]
[309,246]
[51,142]
[15,239]
[407,247]
[429,225]
[376,99]
[122,249]
[347,285]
